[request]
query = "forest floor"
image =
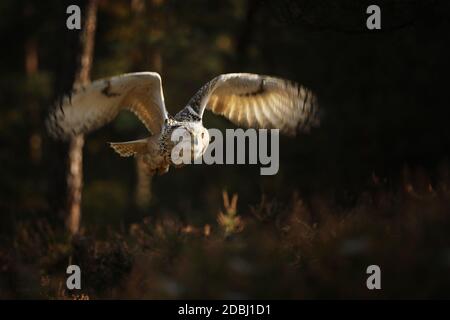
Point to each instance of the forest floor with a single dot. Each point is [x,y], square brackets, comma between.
[307,248]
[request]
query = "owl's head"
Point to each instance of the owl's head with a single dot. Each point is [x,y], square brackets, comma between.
[190,143]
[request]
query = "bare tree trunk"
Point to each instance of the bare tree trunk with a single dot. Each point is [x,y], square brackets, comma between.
[143,192]
[75,170]
[153,60]
[31,69]
[31,64]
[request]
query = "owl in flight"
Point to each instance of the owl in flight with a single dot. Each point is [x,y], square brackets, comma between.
[246,99]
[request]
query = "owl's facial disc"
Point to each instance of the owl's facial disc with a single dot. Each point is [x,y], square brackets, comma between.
[190,143]
[200,141]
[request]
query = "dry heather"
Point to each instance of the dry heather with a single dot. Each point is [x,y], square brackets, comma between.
[302,248]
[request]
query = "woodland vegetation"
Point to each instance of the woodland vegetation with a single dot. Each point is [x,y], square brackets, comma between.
[370,186]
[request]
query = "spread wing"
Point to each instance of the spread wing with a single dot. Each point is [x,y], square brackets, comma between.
[260,101]
[92,106]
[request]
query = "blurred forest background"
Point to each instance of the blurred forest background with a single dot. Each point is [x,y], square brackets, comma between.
[370,186]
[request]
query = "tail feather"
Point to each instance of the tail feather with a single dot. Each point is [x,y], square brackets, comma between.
[130,148]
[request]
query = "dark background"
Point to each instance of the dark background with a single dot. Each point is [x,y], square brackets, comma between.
[385,129]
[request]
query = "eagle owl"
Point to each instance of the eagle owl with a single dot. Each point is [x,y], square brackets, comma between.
[246,99]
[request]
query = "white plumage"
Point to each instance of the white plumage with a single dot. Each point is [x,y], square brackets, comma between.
[246,99]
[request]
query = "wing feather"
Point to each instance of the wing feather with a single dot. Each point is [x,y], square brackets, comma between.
[94,105]
[259,101]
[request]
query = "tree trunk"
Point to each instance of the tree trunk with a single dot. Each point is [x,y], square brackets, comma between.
[75,157]
[152,59]
[31,69]
[31,63]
